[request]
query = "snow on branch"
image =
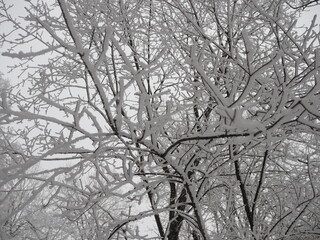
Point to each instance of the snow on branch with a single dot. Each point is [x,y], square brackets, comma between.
[22,55]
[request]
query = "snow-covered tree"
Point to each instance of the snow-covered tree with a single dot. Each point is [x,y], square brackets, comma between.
[166,119]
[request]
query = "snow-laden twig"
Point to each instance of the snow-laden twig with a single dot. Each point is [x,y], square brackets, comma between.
[22,55]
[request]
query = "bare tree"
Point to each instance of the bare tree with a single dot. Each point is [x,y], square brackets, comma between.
[200,118]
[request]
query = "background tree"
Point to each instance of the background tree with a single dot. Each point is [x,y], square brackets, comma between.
[19,219]
[198,117]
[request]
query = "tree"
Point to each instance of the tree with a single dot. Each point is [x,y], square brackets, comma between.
[198,117]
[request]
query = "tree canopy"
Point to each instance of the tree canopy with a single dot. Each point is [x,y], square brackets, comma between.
[171,119]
